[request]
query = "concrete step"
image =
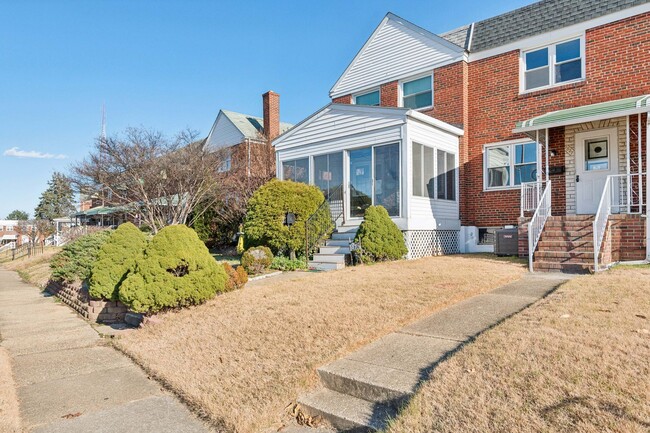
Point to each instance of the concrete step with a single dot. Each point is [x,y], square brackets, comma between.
[380,384]
[324,266]
[329,258]
[349,236]
[334,250]
[569,268]
[346,413]
[337,243]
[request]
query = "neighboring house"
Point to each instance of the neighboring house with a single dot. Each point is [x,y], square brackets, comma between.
[10,232]
[243,140]
[555,91]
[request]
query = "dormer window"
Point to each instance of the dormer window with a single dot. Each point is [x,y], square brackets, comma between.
[417,93]
[369,98]
[553,65]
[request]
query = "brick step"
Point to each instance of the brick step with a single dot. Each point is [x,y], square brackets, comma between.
[565,245]
[569,225]
[572,218]
[567,235]
[554,255]
[569,268]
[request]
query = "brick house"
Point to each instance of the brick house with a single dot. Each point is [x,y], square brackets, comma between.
[552,101]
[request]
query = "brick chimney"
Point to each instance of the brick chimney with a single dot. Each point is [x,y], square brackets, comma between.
[271,107]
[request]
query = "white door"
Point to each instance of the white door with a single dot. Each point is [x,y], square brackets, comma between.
[596,158]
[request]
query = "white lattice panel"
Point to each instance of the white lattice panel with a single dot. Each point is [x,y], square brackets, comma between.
[424,243]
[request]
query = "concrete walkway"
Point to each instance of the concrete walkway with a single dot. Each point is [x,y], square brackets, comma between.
[367,387]
[68,381]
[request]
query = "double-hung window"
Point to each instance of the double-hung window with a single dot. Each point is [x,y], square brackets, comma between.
[553,65]
[370,98]
[418,93]
[296,170]
[434,173]
[509,165]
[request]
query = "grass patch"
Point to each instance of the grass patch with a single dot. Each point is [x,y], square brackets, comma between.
[36,269]
[232,259]
[243,357]
[9,412]
[577,361]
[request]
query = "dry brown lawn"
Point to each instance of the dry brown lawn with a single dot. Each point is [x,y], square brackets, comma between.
[243,357]
[577,361]
[36,269]
[9,412]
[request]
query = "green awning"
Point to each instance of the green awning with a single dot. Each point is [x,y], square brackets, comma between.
[586,113]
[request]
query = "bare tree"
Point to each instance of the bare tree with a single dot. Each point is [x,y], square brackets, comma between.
[150,176]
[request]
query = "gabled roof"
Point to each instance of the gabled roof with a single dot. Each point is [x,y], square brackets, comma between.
[537,18]
[419,50]
[250,126]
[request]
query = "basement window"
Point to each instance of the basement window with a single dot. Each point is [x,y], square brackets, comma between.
[487,235]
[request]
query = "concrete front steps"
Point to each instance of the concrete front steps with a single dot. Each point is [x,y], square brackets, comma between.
[566,245]
[335,254]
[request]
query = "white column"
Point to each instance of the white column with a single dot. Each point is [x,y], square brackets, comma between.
[647,158]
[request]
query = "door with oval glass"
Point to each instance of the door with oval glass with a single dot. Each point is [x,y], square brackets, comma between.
[596,158]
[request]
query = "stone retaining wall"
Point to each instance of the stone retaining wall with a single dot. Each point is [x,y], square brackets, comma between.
[76,297]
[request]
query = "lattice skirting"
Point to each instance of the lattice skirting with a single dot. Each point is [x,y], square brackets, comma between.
[424,243]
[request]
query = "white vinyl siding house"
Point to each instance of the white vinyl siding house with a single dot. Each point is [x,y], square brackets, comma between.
[369,150]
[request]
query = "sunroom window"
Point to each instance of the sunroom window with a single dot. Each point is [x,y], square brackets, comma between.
[417,93]
[370,98]
[553,65]
[510,165]
[296,170]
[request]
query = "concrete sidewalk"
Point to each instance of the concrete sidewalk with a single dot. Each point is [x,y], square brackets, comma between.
[68,381]
[367,387]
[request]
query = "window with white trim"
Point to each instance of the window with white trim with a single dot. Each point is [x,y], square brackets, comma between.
[509,165]
[418,93]
[226,161]
[296,170]
[553,65]
[370,98]
[434,173]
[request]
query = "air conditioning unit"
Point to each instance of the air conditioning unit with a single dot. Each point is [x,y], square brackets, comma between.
[507,242]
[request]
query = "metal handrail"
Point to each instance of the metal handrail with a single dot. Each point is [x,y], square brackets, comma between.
[600,221]
[530,195]
[324,220]
[537,222]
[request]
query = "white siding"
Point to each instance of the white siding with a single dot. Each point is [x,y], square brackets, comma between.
[223,134]
[426,213]
[396,50]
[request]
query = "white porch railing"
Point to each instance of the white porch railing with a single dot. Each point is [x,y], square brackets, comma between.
[623,193]
[9,246]
[531,192]
[536,225]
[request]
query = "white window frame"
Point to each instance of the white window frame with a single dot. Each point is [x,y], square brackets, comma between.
[226,164]
[455,168]
[511,144]
[400,90]
[435,173]
[309,167]
[366,92]
[551,64]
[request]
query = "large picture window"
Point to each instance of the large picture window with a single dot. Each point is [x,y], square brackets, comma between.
[510,165]
[553,65]
[296,170]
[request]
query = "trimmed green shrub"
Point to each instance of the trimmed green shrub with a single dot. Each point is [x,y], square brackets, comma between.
[176,270]
[76,259]
[267,208]
[380,239]
[256,260]
[115,260]
[282,263]
[237,278]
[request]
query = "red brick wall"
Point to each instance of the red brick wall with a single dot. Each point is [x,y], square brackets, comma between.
[625,239]
[347,99]
[618,64]
[388,94]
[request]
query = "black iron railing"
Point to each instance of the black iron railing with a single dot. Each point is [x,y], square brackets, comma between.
[320,225]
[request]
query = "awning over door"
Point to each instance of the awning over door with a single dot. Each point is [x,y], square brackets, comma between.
[586,113]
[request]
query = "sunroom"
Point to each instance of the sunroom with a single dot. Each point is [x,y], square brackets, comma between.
[398,158]
[592,161]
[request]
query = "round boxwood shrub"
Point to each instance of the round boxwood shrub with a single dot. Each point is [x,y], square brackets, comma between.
[176,270]
[380,239]
[75,261]
[237,278]
[267,208]
[115,259]
[256,260]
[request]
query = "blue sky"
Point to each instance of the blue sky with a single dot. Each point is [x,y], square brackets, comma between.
[168,65]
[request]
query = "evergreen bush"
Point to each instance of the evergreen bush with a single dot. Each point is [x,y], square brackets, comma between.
[237,278]
[176,270]
[115,260]
[267,208]
[256,260]
[75,260]
[379,237]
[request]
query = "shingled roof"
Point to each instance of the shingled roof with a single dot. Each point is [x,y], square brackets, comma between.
[250,126]
[531,20]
